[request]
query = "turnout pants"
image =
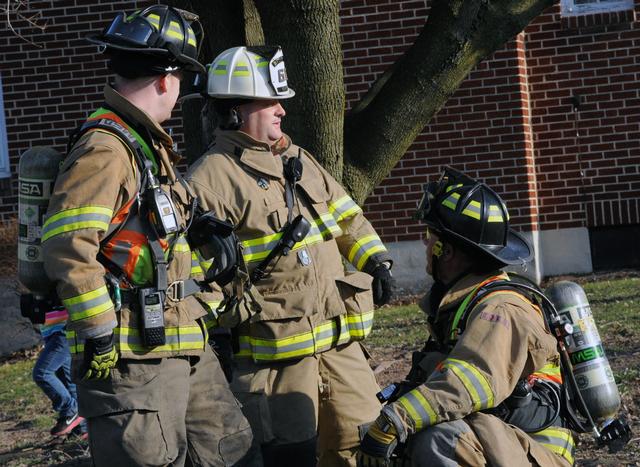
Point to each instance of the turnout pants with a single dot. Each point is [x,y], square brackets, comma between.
[482,439]
[165,411]
[291,404]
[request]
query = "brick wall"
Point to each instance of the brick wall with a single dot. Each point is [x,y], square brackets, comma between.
[588,161]
[511,123]
[50,88]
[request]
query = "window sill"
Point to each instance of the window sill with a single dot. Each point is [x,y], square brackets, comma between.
[598,21]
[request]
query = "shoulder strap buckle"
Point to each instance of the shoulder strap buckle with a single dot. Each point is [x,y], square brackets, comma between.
[175,291]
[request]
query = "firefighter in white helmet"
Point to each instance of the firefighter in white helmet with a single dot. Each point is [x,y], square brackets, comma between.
[300,371]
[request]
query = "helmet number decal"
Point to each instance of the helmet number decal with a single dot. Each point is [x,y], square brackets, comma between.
[278,73]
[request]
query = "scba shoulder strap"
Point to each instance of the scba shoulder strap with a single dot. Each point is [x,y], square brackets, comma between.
[515,283]
[106,120]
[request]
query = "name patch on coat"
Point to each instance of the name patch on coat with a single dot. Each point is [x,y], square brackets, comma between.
[495,319]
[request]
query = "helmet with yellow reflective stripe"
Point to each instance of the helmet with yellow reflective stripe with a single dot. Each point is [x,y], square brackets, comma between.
[468,212]
[249,73]
[171,35]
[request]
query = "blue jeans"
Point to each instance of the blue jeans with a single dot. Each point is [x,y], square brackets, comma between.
[52,372]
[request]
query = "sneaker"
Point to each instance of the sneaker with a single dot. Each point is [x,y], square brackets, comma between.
[81,431]
[66,424]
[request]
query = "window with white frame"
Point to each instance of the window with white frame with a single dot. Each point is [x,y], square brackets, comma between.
[585,7]
[4,146]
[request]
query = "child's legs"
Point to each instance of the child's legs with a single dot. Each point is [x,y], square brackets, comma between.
[53,360]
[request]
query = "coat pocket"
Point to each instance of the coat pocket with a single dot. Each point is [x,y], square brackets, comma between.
[354,290]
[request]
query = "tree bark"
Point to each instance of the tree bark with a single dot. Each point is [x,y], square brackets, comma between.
[309,33]
[253,34]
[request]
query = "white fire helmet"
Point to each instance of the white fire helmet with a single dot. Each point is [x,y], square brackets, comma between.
[249,72]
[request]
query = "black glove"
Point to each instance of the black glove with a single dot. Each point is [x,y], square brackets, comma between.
[100,356]
[222,346]
[383,284]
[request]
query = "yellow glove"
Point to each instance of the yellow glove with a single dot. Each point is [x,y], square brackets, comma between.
[378,444]
[100,356]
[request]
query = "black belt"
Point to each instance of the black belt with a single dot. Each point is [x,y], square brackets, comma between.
[176,291]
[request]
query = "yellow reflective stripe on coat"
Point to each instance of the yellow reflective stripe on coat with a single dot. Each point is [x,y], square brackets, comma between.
[557,440]
[326,335]
[549,372]
[74,345]
[419,409]
[327,225]
[196,268]
[69,220]
[89,304]
[473,381]
[363,248]
[181,245]
[256,249]
[177,339]
[343,208]
[128,339]
[210,320]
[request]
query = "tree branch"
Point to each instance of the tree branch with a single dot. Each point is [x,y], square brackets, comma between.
[456,37]
[14,7]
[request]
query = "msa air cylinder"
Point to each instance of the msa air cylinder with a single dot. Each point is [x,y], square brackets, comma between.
[590,365]
[37,172]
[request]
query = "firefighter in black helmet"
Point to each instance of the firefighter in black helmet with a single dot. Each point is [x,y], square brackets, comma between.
[486,388]
[115,244]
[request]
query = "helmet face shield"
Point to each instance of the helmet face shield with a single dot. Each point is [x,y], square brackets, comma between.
[431,191]
[173,36]
[134,31]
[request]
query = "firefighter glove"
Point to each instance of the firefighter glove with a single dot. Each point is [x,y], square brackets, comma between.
[100,356]
[383,284]
[378,444]
[223,348]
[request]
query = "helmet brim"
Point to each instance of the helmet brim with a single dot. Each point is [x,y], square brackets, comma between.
[185,62]
[517,251]
[289,95]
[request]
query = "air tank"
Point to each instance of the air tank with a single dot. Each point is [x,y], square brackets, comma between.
[37,172]
[590,365]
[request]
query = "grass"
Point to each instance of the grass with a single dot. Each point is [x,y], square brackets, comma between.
[20,399]
[399,326]
[615,305]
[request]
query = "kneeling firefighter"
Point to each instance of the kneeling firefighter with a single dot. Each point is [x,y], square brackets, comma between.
[487,387]
[115,244]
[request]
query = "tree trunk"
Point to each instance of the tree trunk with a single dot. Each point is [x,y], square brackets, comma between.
[309,33]
[223,22]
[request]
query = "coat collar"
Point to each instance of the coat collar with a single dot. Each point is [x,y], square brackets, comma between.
[459,291]
[253,153]
[162,141]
